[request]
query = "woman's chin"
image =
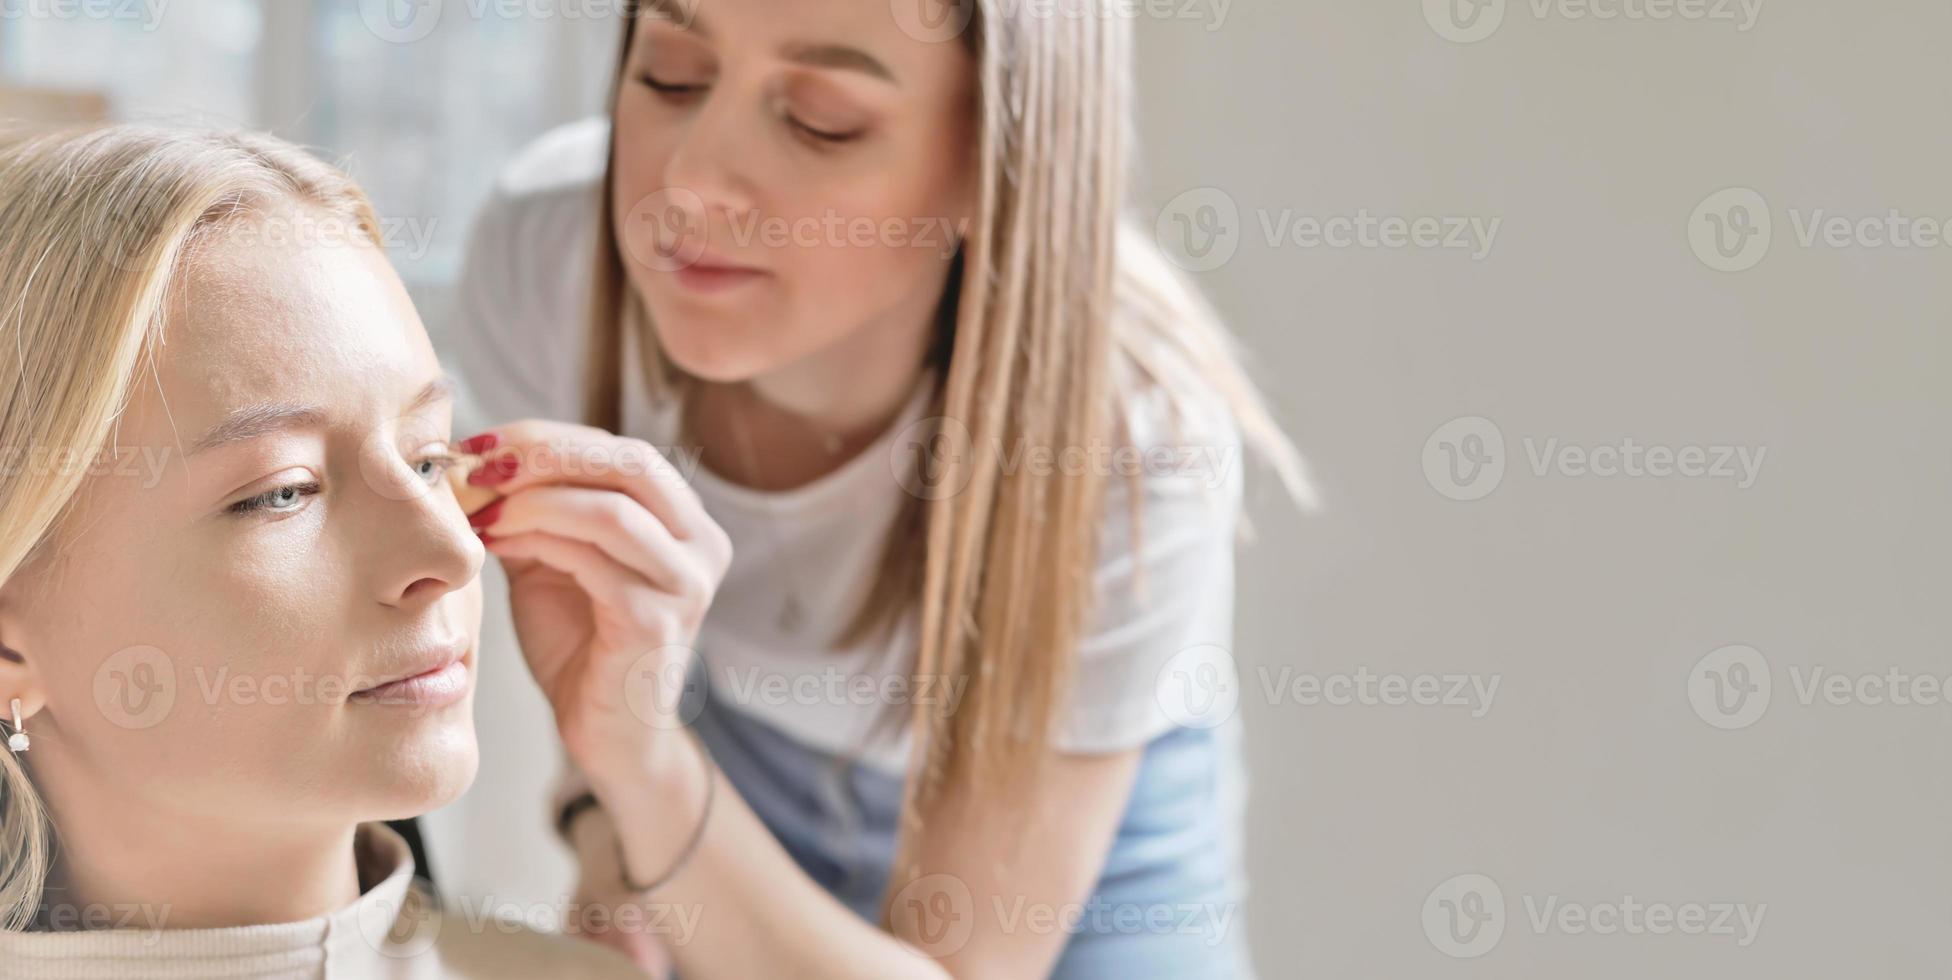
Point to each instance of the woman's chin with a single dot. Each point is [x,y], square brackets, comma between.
[710,350]
[427,770]
[709,359]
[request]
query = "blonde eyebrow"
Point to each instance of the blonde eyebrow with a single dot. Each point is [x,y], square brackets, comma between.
[257,421]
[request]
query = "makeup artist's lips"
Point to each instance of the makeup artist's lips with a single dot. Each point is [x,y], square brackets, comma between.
[711,275]
[441,678]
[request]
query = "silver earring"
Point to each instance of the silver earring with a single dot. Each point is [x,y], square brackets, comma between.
[18,740]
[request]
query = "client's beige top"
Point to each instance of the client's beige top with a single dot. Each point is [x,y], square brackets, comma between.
[393,932]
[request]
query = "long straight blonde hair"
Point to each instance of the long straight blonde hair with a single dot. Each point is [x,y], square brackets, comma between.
[1062,309]
[94,224]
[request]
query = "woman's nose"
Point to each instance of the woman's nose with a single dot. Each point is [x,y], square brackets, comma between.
[425,548]
[708,158]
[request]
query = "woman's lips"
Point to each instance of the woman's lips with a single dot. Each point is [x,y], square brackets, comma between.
[436,688]
[712,279]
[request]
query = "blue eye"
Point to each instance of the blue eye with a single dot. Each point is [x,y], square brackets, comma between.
[436,466]
[283,500]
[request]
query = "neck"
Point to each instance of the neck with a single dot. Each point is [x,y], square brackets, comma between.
[804,420]
[142,868]
[854,387]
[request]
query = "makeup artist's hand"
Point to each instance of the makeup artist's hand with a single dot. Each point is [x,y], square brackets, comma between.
[612,563]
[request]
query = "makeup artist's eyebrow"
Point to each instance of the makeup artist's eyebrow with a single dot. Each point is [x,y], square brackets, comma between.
[253,421]
[837,56]
[812,55]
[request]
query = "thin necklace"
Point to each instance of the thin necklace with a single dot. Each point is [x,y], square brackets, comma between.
[791,614]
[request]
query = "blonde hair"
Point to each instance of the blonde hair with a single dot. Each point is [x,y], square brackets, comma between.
[94,224]
[1064,309]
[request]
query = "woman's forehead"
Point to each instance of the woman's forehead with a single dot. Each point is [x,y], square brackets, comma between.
[251,324]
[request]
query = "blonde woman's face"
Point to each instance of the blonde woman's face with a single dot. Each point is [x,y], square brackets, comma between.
[271,534]
[790,175]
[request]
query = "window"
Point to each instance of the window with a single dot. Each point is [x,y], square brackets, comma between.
[422,100]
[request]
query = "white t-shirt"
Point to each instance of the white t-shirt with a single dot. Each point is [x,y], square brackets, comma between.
[517,345]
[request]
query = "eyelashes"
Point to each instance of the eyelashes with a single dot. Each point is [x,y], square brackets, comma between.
[291,497]
[279,501]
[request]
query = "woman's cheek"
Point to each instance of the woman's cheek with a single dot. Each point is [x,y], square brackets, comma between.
[277,594]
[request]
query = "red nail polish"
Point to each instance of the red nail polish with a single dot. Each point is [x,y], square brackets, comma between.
[486,538]
[487,516]
[499,470]
[481,443]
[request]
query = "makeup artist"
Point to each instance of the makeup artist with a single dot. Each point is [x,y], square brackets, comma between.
[877,657]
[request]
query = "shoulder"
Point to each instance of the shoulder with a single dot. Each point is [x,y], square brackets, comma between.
[1177,459]
[547,197]
[1163,586]
[568,159]
[516,331]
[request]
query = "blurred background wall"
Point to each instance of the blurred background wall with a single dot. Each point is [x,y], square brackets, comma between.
[1620,644]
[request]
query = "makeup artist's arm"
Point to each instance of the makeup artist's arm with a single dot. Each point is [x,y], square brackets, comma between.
[989,902]
[611,571]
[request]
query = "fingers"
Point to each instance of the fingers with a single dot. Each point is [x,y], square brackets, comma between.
[537,452]
[471,498]
[624,603]
[611,522]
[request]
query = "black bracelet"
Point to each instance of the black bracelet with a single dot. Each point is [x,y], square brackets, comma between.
[691,846]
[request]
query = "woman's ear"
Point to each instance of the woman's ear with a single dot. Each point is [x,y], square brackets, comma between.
[18,676]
